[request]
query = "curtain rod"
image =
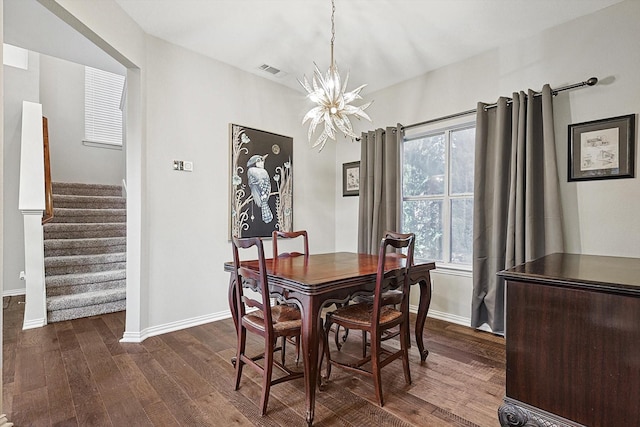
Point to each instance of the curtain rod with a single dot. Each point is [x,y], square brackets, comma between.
[590,82]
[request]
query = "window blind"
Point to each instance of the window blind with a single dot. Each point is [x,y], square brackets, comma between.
[102,114]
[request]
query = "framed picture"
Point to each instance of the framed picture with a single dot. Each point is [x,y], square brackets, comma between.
[261,182]
[351,179]
[602,149]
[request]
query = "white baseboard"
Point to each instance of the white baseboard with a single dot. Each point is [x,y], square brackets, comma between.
[135,337]
[14,292]
[34,323]
[447,317]
[138,337]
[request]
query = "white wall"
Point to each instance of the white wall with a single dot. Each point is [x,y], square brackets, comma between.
[191,101]
[19,85]
[62,98]
[600,217]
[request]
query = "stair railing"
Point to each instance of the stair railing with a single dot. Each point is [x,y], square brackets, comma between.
[48,188]
[31,202]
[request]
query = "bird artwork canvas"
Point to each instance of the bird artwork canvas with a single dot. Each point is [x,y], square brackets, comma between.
[261,182]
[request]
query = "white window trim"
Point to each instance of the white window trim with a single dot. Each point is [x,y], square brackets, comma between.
[107,145]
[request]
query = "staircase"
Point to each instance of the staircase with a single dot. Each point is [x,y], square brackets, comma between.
[85,251]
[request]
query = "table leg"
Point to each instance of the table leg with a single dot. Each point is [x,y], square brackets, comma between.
[423,308]
[310,347]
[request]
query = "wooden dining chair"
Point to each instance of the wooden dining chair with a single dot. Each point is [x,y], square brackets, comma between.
[277,234]
[289,235]
[390,297]
[378,316]
[267,321]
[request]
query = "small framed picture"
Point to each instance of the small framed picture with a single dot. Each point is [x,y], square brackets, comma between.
[602,149]
[351,179]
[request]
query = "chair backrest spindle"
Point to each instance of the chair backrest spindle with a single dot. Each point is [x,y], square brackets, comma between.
[258,277]
[395,241]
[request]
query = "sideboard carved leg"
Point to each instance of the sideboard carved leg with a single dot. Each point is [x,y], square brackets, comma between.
[517,414]
[511,415]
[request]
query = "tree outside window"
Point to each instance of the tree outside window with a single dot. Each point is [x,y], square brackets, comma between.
[437,193]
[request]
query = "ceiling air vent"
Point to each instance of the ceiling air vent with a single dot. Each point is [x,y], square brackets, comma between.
[271,70]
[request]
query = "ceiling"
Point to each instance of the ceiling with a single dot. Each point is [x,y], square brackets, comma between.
[381,42]
[29,25]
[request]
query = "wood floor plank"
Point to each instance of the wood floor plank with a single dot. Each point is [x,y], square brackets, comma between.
[61,407]
[45,338]
[30,369]
[160,415]
[67,339]
[108,337]
[151,402]
[120,402]
[30,408]
[9,348]
[144,392]
[187,378]
[77,373]
[165,386]
[224,415]
[115,322]
[84,391]
[7,397]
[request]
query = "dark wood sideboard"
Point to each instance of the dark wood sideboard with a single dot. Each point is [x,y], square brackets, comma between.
[573,342]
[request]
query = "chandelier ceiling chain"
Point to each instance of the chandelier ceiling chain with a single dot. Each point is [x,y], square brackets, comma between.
[333,28]
[332,102]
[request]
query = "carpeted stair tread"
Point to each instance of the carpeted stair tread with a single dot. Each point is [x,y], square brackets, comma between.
[84,230]
[86,287]
[68,215]
[84,278]
[89,202]
[87,311]
[61,247]
[86,189]
[85,268]
[62,302]
[57,261]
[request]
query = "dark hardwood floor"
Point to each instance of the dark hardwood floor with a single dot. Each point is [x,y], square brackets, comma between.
[77,373]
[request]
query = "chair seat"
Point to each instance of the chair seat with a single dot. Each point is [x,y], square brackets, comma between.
[284,318]
[361,314]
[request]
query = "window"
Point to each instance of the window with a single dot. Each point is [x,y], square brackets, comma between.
[102,114]
[437,193]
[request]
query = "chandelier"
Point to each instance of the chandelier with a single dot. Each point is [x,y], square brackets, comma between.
[332,101]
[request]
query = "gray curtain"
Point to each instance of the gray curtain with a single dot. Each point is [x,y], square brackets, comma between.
[517,212]
[379,186]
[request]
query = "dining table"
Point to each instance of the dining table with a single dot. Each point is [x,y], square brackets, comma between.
[315,281]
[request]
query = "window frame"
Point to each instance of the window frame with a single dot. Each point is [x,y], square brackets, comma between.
[446,197]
